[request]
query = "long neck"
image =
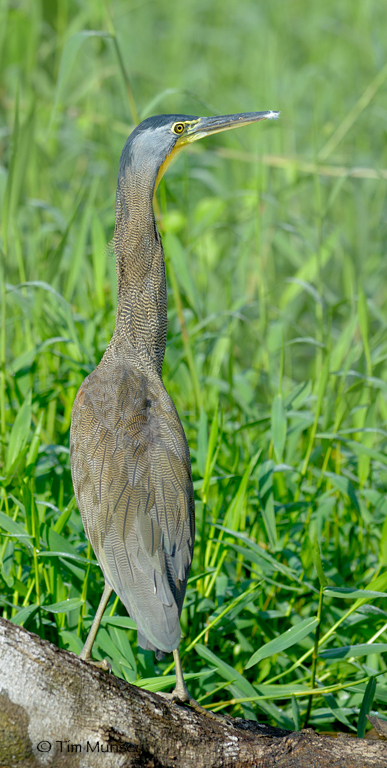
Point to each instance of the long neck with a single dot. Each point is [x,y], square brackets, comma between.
[142,292]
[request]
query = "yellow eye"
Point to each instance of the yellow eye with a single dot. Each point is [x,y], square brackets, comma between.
[178,128]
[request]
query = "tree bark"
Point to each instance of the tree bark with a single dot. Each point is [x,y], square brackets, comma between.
[56,710]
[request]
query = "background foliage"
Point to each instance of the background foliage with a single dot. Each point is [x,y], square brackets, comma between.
[275,240]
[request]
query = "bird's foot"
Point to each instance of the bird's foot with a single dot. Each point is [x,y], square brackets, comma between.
[202,711]
[104,664]
[182,696]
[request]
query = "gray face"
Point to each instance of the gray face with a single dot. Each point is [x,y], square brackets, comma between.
[150,143]
[158,138]
[149,149]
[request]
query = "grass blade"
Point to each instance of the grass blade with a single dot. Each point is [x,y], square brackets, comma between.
[284,641]
[366,705]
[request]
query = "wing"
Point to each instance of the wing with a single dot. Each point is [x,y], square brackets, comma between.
[132,479]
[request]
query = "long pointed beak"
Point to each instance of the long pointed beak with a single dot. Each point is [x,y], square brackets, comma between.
[206,126]
[200,127]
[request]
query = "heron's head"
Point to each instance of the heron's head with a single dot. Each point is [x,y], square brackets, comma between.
[157,140]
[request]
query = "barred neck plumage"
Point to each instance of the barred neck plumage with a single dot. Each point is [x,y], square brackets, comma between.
[142,293]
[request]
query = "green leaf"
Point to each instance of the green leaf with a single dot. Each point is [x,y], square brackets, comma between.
[235,508]
[161,682]
[366,705]
[278,427]
[238,684]
[64,606]
[257,554]
[265,482]
[383,544]
[68,556]
[70,51]
[99,257]
[310,268]
[268,514]
[10,195]
[118,621]
[73,642]
[380,692]
[120,639]
[351,593]
[212,453]
[15,529]
[347,651]
[296,713]
[202,442]
[286,640]
[344,486]
[362,310]
[337,710]
[20,431]
[177,254]
[74,269]
[318,563]
[59,546]
[321,392]
[65,517]
[35,442]
[363,450]
[105,642]
[24,614]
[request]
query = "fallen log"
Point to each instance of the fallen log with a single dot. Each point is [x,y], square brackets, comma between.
[56,710]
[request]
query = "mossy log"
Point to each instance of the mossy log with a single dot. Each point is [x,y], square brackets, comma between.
[56,710]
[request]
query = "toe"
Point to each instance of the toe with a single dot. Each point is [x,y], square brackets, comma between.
[104,664]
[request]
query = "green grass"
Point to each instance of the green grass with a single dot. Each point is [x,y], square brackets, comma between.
[277,336]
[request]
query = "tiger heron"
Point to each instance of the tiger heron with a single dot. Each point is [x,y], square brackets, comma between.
[130,461]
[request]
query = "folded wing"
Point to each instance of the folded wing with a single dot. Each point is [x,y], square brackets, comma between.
[132,479]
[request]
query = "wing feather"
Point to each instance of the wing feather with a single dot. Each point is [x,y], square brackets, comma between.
[132,479]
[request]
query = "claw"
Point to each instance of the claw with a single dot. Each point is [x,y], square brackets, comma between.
[183,697]
[201,711]
[104,664]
